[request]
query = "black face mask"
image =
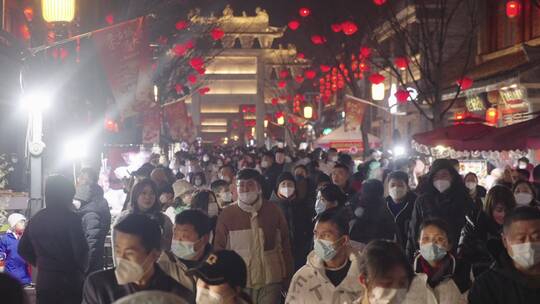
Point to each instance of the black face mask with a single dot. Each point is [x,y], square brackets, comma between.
[299,177]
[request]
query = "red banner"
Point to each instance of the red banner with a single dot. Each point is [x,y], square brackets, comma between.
[354,114]
[179,124]
[125,55]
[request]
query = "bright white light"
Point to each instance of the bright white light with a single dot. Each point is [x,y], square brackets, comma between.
[392,100]
[399,151]
[76,149]
[36,101]
[377,91]
[308,112]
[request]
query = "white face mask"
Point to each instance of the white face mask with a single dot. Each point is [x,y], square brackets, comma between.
[77,204]
[397,193]
[334,158]
[205,296]
[127,271]
[442,185]
[213,209]
[264,164]
[380,295]
[526,255]
[206,158]
[523,198]
[248,198]
[183,249]
[470,185]
[286,191]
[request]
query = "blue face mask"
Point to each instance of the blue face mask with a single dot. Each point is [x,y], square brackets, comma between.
[183,250]
[324,249]
[432,252]
[320,206]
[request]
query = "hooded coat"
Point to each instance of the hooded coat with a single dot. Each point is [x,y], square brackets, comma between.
[451,206]
[15,265]
[298,214]
[96,222]
[311,285]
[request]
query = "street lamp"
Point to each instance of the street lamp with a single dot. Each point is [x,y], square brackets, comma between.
[308,112]
[58,10]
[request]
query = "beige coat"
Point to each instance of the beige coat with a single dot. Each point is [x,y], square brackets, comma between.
[172,266]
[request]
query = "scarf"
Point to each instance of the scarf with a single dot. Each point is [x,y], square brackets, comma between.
[256,272]
[443,271]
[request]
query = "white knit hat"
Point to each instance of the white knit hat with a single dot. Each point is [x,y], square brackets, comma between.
[14,218]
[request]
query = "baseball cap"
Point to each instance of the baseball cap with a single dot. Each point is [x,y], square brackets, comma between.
[221,267]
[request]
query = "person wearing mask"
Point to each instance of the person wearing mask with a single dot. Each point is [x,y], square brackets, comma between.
[437,267]
[268,254]
[323,180]
[385,274]
[516,277]
[480,243]
[222,189]
[137,250]
[446,197]
[55,243]
[183,193]
[332,269]
[536,181]
[524,164]
[221,279]
[305,187]
[281,159]
[226,173]
[96,216]
[329,197]
[371,220]
[525,194]
[298,214]
[190,246]
[14,264]
[400,204]
[477,192]
[144,201]
[270,171]
[160,178]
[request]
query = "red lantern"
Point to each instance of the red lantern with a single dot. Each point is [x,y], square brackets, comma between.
[310,74]
[459,116]
[492,115]
[513,9]
[349,28]
[283,74]
[217,34]
[274,101]
[379,2]
[336,27]
[111,126]
[402,96]
[181,25]
[201,71]
[300,56]
[325,68]
[294,25]
[465,83]
[192,79]
[365,52]
[304,11]
[401,63]
[299,79]
[376,78]
[282,84]
[363,67]
[196,62]
[189,44]
[318,39]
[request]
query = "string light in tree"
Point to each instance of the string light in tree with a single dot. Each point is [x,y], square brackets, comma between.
[294,25]
[304,12]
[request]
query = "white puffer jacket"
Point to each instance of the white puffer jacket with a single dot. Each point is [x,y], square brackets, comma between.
[311,285]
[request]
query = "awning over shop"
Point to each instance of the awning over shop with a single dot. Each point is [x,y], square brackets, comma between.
[346,141]
[458,137]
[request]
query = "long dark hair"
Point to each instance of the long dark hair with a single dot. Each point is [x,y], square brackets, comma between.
[138,189]
[201,198]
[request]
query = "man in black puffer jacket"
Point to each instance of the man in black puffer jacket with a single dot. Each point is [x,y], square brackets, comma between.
[95,216]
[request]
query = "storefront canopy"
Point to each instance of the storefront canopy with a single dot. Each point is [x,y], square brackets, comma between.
[346,141]
[479,137]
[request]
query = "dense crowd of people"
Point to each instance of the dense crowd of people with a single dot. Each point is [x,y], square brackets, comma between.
[278,226]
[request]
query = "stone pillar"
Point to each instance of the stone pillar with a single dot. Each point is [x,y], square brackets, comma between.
[196,112]
[259,102]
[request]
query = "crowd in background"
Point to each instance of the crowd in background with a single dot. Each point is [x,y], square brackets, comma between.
[238,225]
